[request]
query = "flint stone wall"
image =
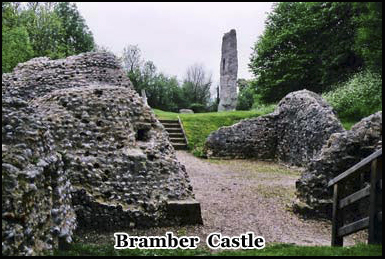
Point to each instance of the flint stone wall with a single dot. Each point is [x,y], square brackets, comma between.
[293,133]
[304,131]
[228,72]
[36,198]
[78,139]
[340,152]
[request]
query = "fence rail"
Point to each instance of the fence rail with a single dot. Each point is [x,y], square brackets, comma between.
[341,200]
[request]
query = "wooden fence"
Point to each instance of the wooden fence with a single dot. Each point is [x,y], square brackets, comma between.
[342,200]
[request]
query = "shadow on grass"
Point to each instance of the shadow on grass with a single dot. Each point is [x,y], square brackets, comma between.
[270,250]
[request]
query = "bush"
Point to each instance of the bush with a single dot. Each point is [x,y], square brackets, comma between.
[245,99]
[358,97]
[212,106]
[246,94]
[197,107]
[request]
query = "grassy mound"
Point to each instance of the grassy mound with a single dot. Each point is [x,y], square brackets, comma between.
[198,126]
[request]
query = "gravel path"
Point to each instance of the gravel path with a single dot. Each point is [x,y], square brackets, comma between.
[238,196]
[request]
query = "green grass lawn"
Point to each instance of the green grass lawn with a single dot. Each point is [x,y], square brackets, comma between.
[198,126]
[270,250]
[347,123]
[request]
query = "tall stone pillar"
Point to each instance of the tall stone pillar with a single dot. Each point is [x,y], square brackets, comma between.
[229,72]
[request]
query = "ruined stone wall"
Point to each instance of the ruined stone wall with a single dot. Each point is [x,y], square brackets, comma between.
[118,156]
[306,121]
[39,76]
[340,152]
[97,151]
[293,133]
[250,138]
[36,192]
[304,131]
[228,72]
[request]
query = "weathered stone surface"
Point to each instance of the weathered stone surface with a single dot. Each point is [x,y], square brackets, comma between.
[248,138]
[306,122]
[340,152]
[302,131]
[228,72]
[42,75]
[187,211]
[81,147]
[293,133]
[117,153]
[36,192]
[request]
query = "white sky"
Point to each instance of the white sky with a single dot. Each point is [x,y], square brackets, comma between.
[177,35]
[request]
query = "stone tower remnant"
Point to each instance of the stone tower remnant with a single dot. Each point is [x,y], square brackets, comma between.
[229,71]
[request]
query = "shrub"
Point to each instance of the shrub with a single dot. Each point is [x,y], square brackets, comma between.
[197,107]
[212,106]
[358,97]
[264,108]
[245,99]
[246,94]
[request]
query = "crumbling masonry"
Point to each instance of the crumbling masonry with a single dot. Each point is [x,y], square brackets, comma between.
[81,149]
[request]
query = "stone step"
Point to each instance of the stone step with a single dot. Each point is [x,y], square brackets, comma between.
[176,135]
[187,211]
[170,126]
[178,146]
[174,130]
[178,140]
[169,121]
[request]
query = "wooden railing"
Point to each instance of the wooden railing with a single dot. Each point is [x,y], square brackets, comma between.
[342,200]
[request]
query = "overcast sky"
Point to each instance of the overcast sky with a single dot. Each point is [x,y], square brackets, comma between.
[177,35]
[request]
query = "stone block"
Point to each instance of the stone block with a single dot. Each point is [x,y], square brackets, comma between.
[188,212]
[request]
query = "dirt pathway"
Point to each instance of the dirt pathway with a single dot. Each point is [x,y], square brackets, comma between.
[238,196]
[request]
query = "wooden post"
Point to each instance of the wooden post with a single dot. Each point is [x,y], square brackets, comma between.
[375,227]
[337,217]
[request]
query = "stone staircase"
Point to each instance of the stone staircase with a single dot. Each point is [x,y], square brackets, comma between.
[176,133]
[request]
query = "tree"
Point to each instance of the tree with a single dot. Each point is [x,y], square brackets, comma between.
[43,26]
[214,101]
[131,58]
[16,45]
[36,29]
[163,92]
[132,63]
[74,36]
[196,85]
[305,45]
[246,94]
[369,34]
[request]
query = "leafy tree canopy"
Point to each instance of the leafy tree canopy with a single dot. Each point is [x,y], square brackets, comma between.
[314,45]
[37,29]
